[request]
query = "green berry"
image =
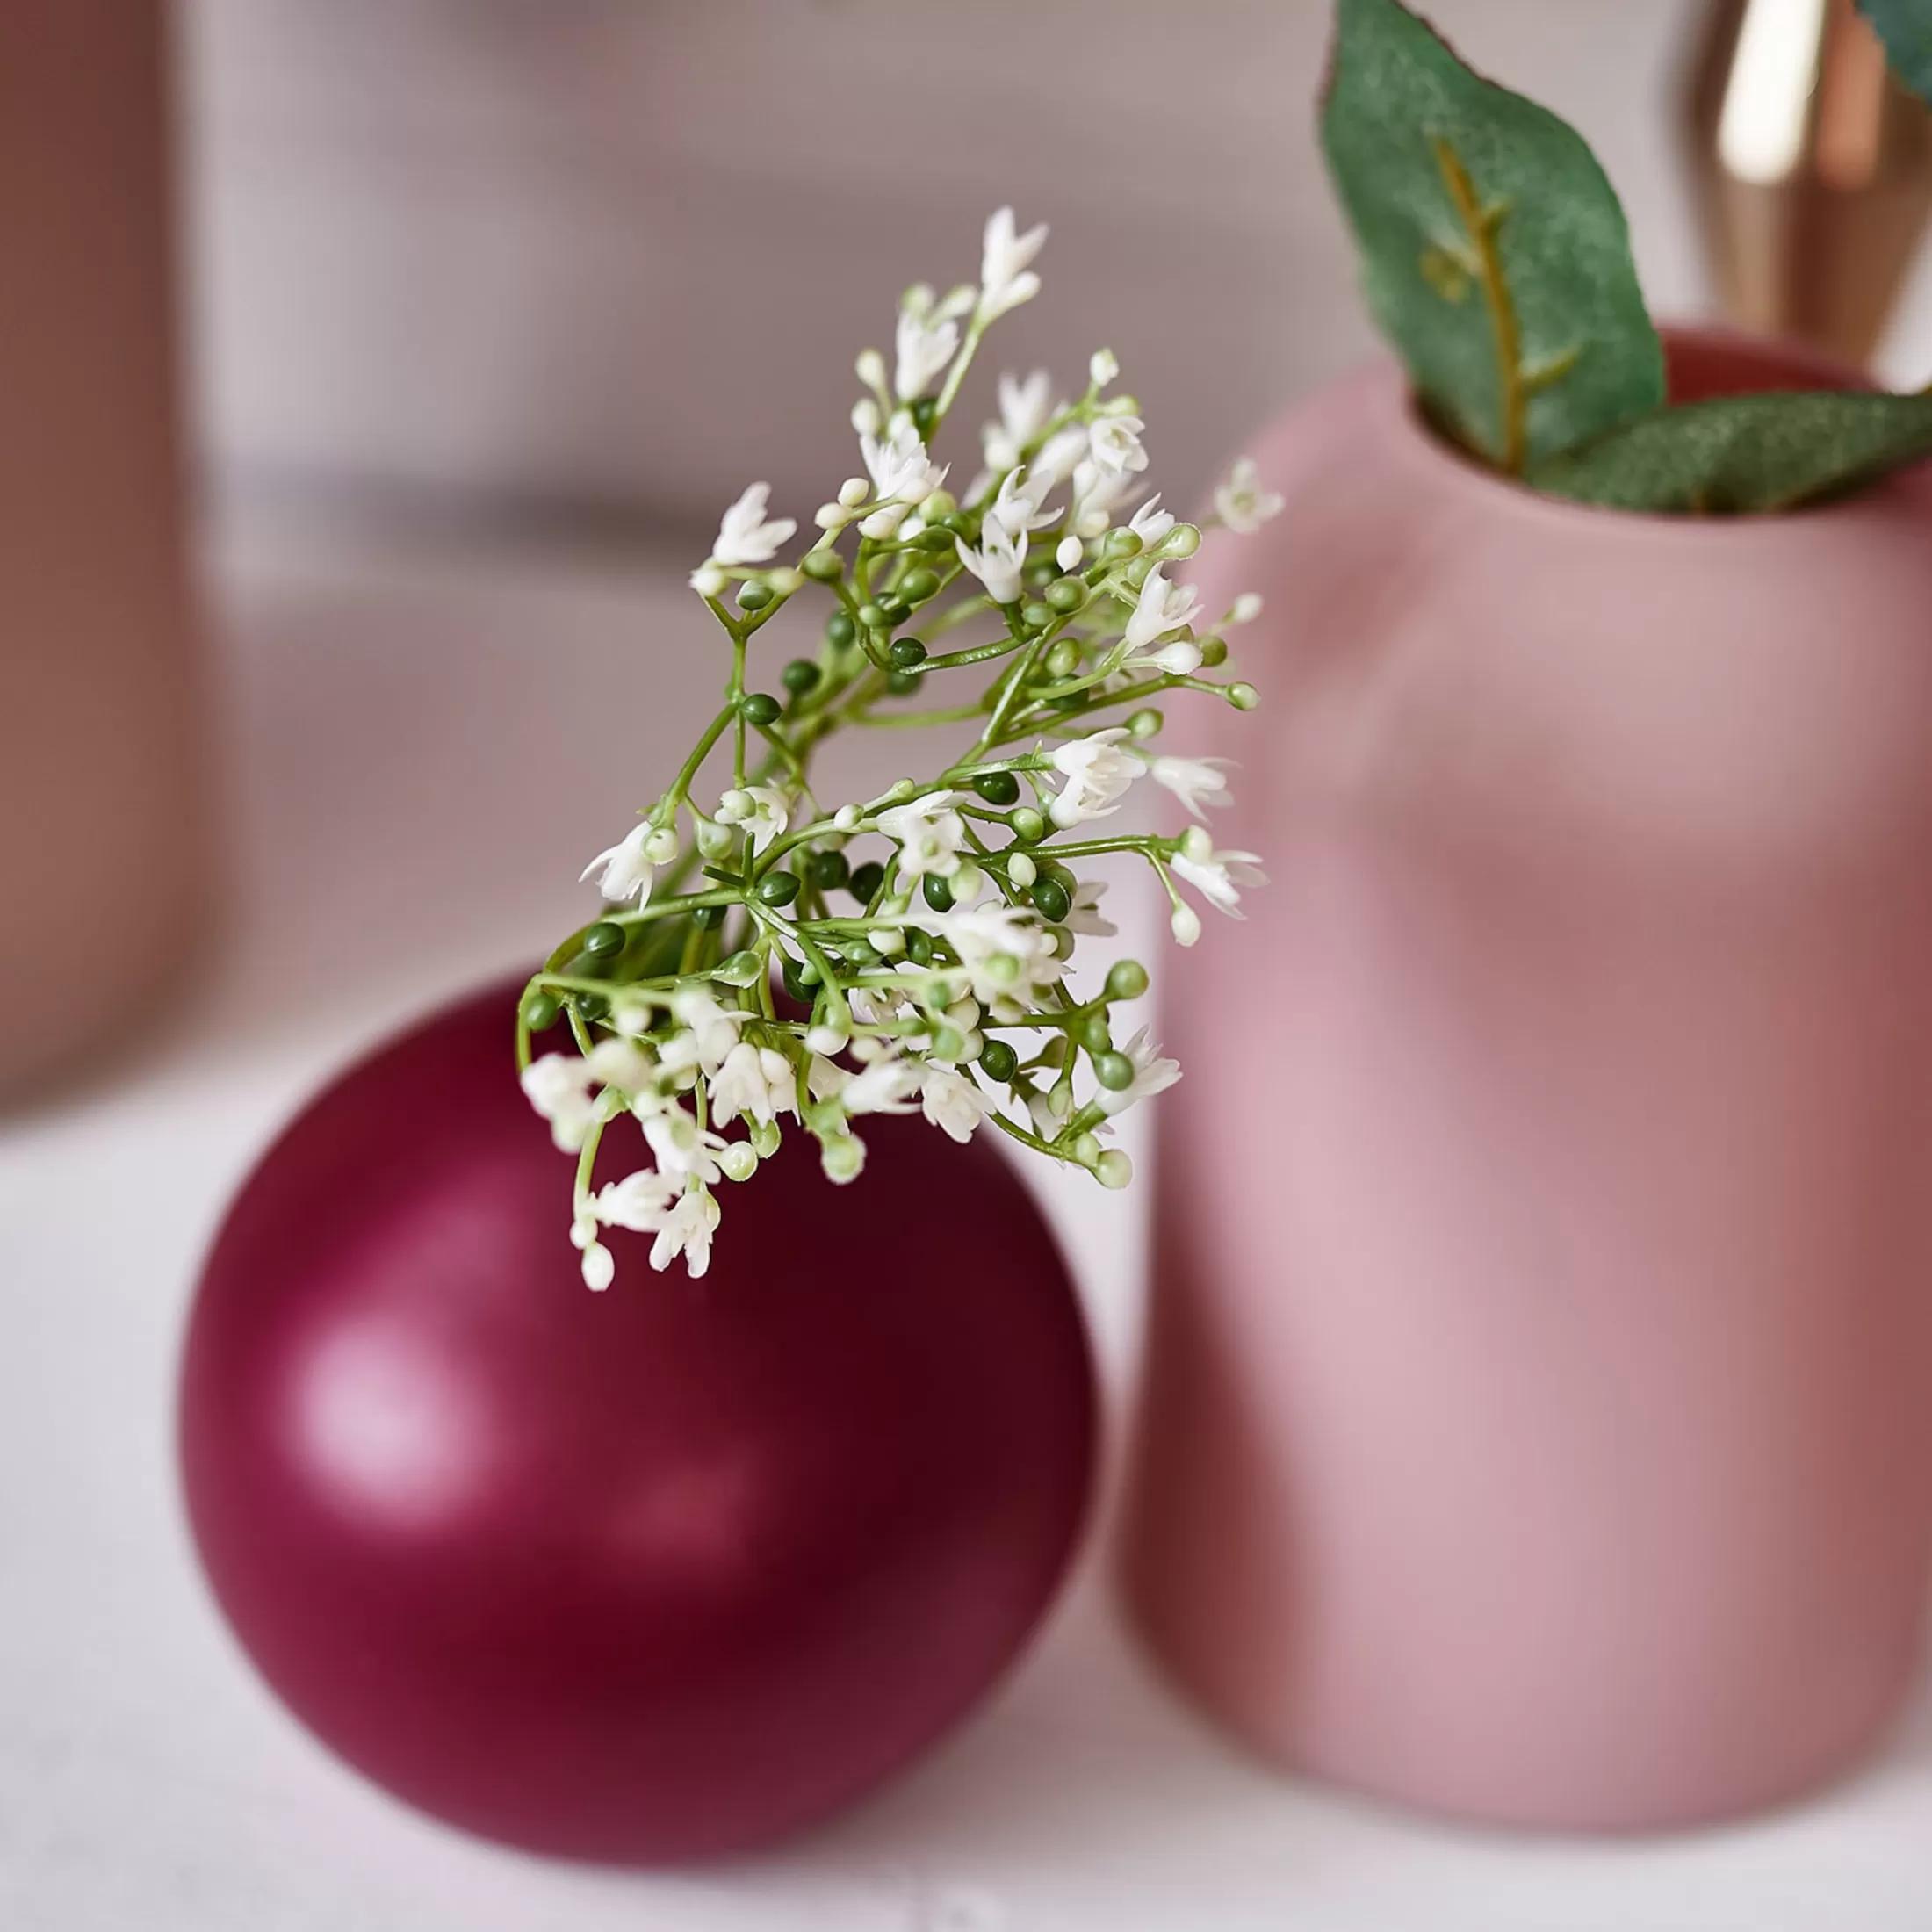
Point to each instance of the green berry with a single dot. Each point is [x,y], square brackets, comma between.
[753,595]
[1052,899]
[1094,1034]
[1065,596]
[938,894]
[592,1007]
[1126,979]
[1214,652]
[840,630]
[872,616]
[906,653]
[997,788]
[540,1012]
[1063,659]
[895,610]
[603,939]
[1028,827]
[919,946]
[999,1060]
[821,565]
[866,881]
[778,888]
[799,676]
[917,585]
[710,917]
[957,522]
[902,682]
[827,870]
[938,537]
[799,975]
[760,707]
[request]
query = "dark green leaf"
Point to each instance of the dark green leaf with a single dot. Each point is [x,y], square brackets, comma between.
[1738,454]
[1905,28]
[1494,252]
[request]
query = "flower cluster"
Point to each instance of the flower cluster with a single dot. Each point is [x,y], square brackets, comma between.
[768,960]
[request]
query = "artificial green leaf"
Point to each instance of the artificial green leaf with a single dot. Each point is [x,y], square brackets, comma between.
[1735,455]
[1494,251]
[1905,28]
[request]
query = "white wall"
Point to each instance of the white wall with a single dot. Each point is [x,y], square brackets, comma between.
[619,252]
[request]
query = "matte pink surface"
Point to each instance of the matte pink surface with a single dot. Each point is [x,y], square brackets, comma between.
[643,1575]
[1537,1427]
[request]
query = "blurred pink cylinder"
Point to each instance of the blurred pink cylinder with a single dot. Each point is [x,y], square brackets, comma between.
[1537,1420]
[99,751]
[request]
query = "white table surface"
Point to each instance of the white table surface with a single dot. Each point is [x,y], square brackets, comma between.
[427,738]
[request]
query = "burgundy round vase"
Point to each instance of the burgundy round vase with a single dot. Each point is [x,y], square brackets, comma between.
[646,1576]
[1538,1421]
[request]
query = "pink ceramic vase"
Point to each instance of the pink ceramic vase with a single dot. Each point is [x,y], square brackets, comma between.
[1540,1374]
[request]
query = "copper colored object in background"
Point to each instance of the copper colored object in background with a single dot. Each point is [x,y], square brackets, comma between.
[1812,168]
[101,884]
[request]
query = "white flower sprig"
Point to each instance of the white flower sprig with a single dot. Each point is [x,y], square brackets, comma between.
[765,964]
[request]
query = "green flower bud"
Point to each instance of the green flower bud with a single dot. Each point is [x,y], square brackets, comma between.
[1066,595]
[821,565]
[1085,1150]
[1028,827]
[1243,697]
[904,681]
[1095,1035]
[895,610]
[753,595]
[840,630]
[1035,615]
[1114,1168]
[1052,899]
[540,1012]
[765,1138]
[1214,652]
[1063,659]
[999,1060]
[739,1160]
[948,1043]
[1114,1070]
[1021,870]
[842,1156]
[1182,541]
[917,585]
[1126,979]
[740,969]
[1120,544]
[872,616]
[1145,724]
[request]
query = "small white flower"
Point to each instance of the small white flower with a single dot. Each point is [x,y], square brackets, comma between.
[1007,954]
[1115,442]
[1152,1075]
[1060,455]
[1196,782]
[1006,279]
[762,809]
[1150,523]
[637,1201]
[558,1085]
[681,1146]
[1098,775]
[1162,607]
[626,870]
[888,1085]
[928,833]
[1017,507]
[1085,915]
[755,1081]
[710,1032]
[745,537]
[951,1102]
[1025,409]
[599,1270]
[901,469]
[925,345]
[1070,553]
[687,1230]
[877,1006]
[1244,506]
[709,581]
[1102,367]
[1218,876]
[999,561]
[1097,493]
